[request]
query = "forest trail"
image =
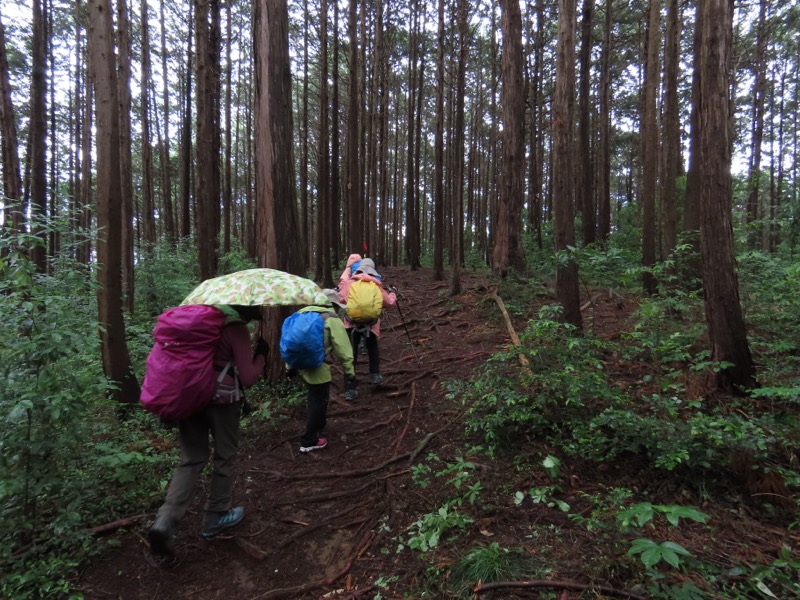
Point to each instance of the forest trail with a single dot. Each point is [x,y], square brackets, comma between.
[327,520]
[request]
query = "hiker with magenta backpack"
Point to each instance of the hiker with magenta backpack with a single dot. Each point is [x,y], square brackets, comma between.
[365,298]
[307,338]
[232,366]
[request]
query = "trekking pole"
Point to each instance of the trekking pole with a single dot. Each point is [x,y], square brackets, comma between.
[410,341]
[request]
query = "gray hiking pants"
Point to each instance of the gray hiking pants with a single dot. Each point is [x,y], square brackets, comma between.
[222,422]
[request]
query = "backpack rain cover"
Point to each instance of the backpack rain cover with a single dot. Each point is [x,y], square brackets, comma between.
[180,379]
[302,342]
[364,302]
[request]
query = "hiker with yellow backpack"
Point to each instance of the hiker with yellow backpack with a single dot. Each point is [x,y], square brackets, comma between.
[364,298]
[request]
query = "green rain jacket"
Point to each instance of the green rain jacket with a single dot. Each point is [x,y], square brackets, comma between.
[336,341]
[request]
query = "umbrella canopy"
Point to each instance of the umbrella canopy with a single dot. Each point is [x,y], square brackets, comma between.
[258,287]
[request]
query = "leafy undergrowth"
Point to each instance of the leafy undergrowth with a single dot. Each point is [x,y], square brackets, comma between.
[573,466]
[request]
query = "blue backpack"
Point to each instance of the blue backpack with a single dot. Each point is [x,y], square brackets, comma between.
[302,343]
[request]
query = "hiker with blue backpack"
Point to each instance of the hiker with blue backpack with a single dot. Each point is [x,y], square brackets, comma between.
[235,366]
[364,298]
[307,338]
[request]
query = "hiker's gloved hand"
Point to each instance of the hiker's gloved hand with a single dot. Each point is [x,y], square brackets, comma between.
[262,347]
[393,290]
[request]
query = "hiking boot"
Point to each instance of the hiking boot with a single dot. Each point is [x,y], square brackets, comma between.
[215,523]
[321,443]
[376,378]
[350,395]
[161,536]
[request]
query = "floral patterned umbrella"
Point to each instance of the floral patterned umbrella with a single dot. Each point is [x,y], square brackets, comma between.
[258,287]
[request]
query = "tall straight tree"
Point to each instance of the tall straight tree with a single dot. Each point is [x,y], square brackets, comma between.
[508,227]
[757,130]
[9,145]
[207,159]
[125,150]
[114,350]
[353,185]
[166,164]
[650,146]
[38,135]
[672,131]
[604,143]
[322,268]
[726,327]
[438,159]
[457,250]
[586,190]
[567,290]
[148,207]
[280,245]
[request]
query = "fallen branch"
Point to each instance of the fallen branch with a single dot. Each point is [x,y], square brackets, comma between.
[564,585]
[514,338]
[114,525]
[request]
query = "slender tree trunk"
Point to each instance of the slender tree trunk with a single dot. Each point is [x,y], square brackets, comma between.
[726,327]
[125,152]
[148,205]
[166,165]
[304,135]
[650,147]
[114,350]
[227,188]
[323,154]
[186,145]
[462,20]
[567,290]
[336,230]
[9,147]
[353,184]
[207,163]
[754,230]
[672,132]
[691,205]
[586,190]
[38,136]
[438,169]
[604,145]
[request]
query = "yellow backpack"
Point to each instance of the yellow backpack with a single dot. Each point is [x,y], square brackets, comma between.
[364,302]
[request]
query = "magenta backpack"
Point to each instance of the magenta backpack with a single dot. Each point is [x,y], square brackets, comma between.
[180,378]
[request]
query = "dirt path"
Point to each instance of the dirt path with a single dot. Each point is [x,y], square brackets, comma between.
[326,521]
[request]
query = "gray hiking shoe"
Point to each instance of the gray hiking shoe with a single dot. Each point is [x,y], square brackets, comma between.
[350,395]
[376,379]
[215,523]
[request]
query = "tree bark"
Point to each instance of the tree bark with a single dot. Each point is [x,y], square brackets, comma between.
[9,147]
[114,350]
[38,137]
[207,160]
[672,132]
[438,168]
[508,228]
[726,327]
[586,191]
[277,222]
[567,290]
[650,147]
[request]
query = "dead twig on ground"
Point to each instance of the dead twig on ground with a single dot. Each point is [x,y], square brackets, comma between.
[564,585]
